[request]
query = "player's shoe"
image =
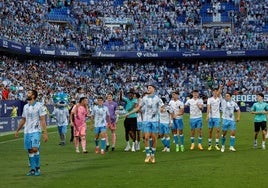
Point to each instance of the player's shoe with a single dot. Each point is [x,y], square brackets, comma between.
[102,152]
[182,148]
[263,146]
[113,148]
[133,147]
[152,159]
[209,147]
[37,172]
[168,150]
[31,173]
[85,151]
[222,148]
[200,147]
[97,150]
[107,148]
[177,149]
[77,150]
[255,145]
[232,148]
[147,159]
[127,148]
[164,150]
[217,147]
[192,146]
[138,146]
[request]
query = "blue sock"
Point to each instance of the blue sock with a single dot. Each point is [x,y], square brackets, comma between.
[150,142]
[147,150]
[199,140]
[223,139]
[32,161]
[182,139]
[176,139]
[163,140]
[103,143]
[96,142]
[37,159]
[153,151]
[232,141]
[192,140]
[168,142]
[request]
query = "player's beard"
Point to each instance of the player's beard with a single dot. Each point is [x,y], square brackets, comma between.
[29,98]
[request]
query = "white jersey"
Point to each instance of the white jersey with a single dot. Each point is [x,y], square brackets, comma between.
[214,104]
[165,116]
[176,106]
[228,108]
[100,113]
[61,115]
[151,106]
[195,112]
[32,114]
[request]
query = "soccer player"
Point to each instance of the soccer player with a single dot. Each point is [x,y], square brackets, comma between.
[196,106]
[139,124]
[80,112]
[260,109]
[100,114]
[151,105]
[34,122]
[130,122]
[177,108]
[213,117]
[165,123]
[228,120]
[61,114]
[112,107]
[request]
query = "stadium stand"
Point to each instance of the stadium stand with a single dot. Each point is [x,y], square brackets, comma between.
[117,25]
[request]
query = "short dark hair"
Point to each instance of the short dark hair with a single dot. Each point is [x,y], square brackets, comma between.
[151,86]
[81,99]
[100,97]
[229,94]
[34,92]
[260,94]
[176,92]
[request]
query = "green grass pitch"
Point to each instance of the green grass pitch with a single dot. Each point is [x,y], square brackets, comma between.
[61,167]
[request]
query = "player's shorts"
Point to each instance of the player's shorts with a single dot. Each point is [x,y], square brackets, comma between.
[260,126]
[112,126]
[130,124]
[213,122]
[177,124]
[228,124]
[32,140]
[80,130]
[140,126]
[164,128]
[98,130]
[196,123]
[62,129]
[151,127]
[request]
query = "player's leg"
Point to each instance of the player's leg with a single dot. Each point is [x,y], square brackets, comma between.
[232,135]
[199,127]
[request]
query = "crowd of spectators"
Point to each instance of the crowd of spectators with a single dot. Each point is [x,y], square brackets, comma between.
[144,25]
[98,78]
